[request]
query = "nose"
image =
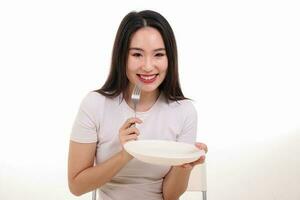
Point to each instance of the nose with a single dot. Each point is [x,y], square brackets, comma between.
[148,65]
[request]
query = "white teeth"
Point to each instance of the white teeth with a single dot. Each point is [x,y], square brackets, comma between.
[147,77]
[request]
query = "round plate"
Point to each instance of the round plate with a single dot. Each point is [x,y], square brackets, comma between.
[163,152]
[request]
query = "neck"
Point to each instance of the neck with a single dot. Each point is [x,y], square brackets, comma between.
[147,99]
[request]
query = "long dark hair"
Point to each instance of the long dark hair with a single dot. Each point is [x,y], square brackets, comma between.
[117,80]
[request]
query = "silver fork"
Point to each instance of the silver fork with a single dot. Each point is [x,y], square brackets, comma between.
[135,97]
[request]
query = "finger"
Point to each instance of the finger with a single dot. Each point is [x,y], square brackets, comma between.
[130,137]
[131,130]
[129,122]
[127,138]
[201,160]
[201,146]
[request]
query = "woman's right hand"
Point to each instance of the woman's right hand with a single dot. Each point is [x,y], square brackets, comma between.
[128,132]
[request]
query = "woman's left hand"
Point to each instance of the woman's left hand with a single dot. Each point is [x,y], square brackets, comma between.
[201,160]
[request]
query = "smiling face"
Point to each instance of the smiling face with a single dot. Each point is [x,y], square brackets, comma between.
[147,61]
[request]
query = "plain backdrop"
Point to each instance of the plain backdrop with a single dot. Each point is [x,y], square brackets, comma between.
[238,60]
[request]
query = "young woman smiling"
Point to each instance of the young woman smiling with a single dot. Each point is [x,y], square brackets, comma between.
[144,53]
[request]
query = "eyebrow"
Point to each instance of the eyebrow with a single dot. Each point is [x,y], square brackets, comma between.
[139,49]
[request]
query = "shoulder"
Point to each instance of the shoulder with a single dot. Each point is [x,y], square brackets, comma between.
[181,109]
[183,105]
[184,109]
[93,99]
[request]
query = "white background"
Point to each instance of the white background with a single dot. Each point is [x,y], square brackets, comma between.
[239,61]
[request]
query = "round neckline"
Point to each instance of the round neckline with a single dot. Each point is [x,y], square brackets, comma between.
[141,113]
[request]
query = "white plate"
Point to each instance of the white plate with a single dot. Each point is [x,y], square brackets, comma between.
[163,152]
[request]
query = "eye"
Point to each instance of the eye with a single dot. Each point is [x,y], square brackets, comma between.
[159,54]
[136,54]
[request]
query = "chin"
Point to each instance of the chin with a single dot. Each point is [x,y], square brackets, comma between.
[149,88]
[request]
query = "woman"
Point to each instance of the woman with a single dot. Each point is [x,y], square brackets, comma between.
[144,54]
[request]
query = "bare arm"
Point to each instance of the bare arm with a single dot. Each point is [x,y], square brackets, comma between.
[83,176]
[175,183]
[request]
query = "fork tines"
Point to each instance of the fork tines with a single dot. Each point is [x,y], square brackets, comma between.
[136,92]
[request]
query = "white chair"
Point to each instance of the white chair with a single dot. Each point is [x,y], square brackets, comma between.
[197,181]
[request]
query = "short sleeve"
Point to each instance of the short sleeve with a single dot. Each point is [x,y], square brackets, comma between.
[188,132]
[87,120]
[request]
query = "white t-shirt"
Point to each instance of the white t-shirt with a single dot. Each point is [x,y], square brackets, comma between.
[99,120]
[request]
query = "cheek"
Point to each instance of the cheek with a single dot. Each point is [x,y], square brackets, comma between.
[164,66]
[130,73]
[162,63]
[132,65]
[163,71]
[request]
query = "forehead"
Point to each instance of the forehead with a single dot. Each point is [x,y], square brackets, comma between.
[147,37]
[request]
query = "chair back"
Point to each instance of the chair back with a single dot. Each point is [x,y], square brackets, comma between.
[197,181]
